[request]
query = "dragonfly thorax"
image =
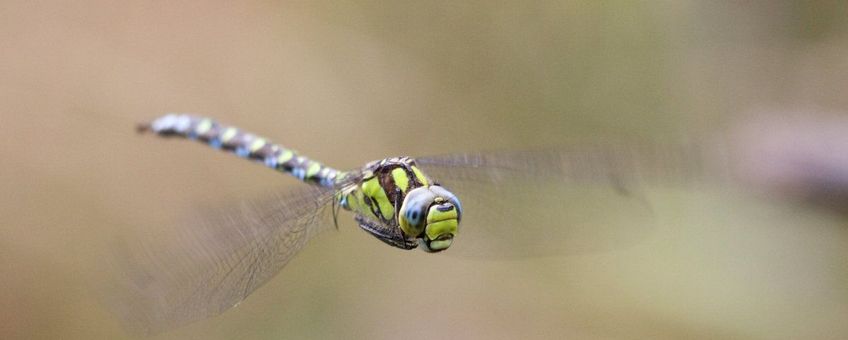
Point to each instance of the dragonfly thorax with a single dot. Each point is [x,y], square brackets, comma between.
[394,201]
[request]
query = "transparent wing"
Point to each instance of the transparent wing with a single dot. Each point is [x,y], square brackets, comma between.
[598,162]
[214,263]
[590,197]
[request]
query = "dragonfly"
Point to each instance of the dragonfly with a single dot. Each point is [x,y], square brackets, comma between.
[405,202]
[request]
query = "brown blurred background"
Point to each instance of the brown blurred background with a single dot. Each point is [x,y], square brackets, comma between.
[351,81]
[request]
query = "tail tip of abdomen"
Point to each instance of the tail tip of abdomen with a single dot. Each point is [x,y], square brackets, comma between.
[142,127]
[171,121]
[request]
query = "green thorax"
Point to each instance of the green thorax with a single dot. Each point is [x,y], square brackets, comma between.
[396,203]
[382,189]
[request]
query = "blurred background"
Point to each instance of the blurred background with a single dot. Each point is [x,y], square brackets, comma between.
[347,82]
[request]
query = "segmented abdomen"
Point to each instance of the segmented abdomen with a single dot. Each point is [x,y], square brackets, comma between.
[243,144]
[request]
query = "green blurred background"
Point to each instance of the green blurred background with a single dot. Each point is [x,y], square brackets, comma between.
[351,81]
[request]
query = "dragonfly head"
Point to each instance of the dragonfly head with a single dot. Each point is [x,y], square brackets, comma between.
[431,214]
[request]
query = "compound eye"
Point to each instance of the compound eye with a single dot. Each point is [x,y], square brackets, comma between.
[414,216]
[413,212]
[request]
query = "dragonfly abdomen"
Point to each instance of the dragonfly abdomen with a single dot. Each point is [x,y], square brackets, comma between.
[243,144]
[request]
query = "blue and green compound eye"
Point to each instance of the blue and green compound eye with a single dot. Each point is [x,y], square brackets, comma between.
[432,215]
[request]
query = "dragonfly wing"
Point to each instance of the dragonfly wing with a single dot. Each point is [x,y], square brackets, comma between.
[560,201]
[601,162]
[216,261]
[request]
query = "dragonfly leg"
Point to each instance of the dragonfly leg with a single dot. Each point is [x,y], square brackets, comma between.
[388,234]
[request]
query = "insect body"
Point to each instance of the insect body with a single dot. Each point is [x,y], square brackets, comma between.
[228,253]
[392,198]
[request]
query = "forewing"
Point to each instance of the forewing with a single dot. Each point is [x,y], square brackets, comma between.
[592,162]
[216,261]
[589,197]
